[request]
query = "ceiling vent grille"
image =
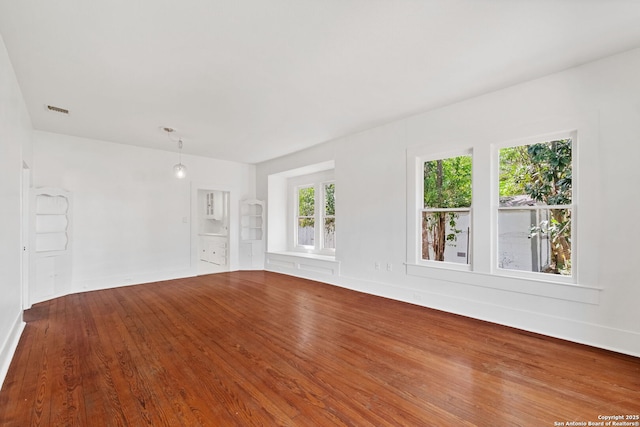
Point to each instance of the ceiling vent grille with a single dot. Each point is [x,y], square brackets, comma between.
[57,109]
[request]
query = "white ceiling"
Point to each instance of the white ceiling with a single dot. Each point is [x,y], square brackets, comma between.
[250,80]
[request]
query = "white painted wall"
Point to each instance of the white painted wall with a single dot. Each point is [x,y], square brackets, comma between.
[15,138]
[371,200]
[131,216]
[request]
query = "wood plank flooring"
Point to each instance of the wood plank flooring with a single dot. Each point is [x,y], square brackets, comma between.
[259,348]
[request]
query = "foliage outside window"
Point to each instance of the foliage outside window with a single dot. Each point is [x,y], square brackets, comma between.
[329,240]
[535,208]
[445,217]
[316,205]
[306,216]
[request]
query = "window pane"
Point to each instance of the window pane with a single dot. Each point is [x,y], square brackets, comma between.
[445,236]
[306,232]
[537,174]
[330,233]
[537,240]
[330,199]
[306,205]
[447,183]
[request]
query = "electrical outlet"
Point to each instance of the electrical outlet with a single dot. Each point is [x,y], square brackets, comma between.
[389,266]
[376,265]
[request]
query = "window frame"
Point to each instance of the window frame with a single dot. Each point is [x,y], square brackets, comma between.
[317,181]
[420,158]
[468,210]
[533,275]
[297,217]
[588,190]
[326,216]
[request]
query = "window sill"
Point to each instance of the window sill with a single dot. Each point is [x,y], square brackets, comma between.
[305,255]
[543,288]
[444,265]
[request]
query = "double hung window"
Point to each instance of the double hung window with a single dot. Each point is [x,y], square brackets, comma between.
[535,208]
[523,218]
[329,217]
[306,216]
[445,216]
[314,225]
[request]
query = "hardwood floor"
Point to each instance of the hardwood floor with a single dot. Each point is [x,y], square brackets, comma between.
[258,348]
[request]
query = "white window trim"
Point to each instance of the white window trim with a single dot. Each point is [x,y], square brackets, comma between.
[545,277]
[324,216]
[587,283]
[415,255]
[297,217]
[316,180]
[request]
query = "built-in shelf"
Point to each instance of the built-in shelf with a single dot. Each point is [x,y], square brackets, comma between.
[251,220]
[214,204]
[50,239]
[252,233]
[51,222]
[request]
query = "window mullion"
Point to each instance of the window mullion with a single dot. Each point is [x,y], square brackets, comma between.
[446,209]
[533,208]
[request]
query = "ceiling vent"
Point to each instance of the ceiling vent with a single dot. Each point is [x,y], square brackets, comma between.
[58,109]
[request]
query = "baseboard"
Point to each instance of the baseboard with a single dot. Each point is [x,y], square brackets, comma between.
[9,346]
[582,332]
[117,281]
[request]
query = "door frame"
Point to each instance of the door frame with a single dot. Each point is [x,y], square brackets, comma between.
[25,233]
[195,216]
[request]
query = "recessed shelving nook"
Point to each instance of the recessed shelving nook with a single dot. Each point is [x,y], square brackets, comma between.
[252,220]
[50,257]
[252,233]
[51,223]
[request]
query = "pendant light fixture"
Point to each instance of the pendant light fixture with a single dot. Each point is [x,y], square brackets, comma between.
[179,170]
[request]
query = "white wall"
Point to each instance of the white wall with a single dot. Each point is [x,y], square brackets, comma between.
[603,98]
[15,134]
[131,216]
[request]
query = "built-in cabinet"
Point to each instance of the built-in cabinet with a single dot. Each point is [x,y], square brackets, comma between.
[213,249]
[50,230]
[213,231]
[251,220]
[252,233]
[214,205]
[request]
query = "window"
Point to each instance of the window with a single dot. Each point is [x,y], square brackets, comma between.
[524,234]
[314,222]
[305,220]
[446,209]
[535,208]
[329,241]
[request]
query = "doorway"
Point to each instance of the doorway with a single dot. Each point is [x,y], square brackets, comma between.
[210,231]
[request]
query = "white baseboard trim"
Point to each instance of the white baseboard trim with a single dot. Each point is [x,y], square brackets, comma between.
[582,332]
[117,281]
[9,346]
